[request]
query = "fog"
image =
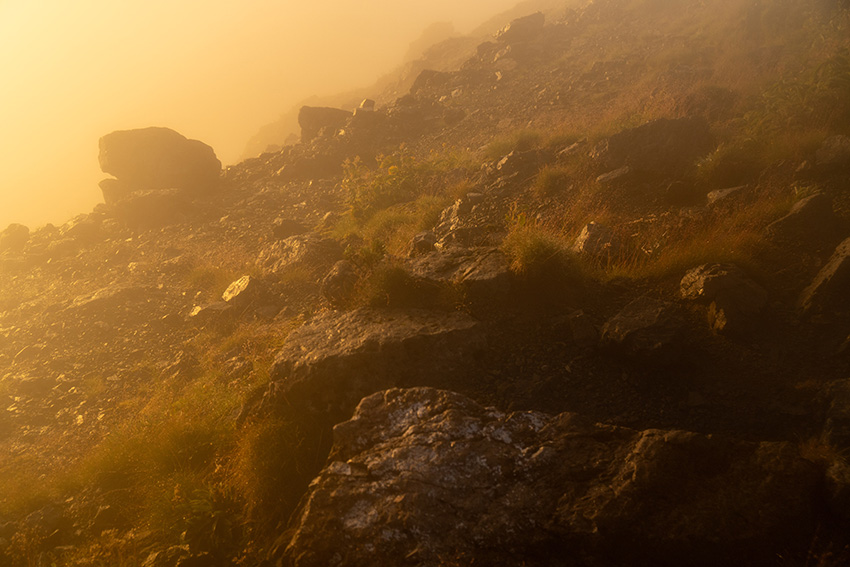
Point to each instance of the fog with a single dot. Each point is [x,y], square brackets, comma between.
[215,70]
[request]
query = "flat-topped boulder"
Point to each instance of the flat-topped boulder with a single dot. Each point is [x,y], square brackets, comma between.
[334,360]
[157,158]
[420,476]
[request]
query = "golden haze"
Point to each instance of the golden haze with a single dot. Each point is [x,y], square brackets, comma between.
[214,70]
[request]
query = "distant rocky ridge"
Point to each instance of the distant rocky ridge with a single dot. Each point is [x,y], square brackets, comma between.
[438,49]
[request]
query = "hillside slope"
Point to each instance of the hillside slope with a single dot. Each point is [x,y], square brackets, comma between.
[581,300]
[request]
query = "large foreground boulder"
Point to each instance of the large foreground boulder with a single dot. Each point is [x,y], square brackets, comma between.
[158,158]
[429,477]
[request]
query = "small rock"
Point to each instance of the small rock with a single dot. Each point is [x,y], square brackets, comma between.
[210,312]
[595,240]
[613,177]
[719,196]
[647,329]
[834,154]
[828,291]
[733,298]
[245,292]
[423,243]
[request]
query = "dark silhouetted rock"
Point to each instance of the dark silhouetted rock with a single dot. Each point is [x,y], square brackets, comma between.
[423,243]
[319,120]
[158,158]
[661,147]
[809,218]
[114,191]
[284,228]
[14,237]
[85,229]
[837,424]
[834,154]
[421,475]
[338,285]
[647,329]
[828,292]
[734,299]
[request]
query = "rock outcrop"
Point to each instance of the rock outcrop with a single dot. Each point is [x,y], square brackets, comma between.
[331,362]
[428,477]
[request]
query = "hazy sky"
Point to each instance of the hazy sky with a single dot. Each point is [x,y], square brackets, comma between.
[214,70]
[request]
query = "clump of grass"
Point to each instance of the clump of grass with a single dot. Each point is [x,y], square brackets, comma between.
[276,459]
[395,226]
[399,178]
[519,141]
[550,180]
[535,252]
[725,237]
[732,164]
[211,279]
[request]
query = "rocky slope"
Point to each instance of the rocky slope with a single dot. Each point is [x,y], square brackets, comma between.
[580,301]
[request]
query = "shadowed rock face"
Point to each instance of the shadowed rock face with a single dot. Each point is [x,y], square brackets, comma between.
[426,476]
[158,158]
